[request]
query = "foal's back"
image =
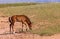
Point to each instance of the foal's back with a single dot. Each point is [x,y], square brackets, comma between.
[21,18]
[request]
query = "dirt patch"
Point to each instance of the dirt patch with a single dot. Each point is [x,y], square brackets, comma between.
[28,36]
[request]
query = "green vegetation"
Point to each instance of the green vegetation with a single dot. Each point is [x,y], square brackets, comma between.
[45,17]
[16,4]
[50,30]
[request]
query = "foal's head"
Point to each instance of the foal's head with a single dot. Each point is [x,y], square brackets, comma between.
[30,26]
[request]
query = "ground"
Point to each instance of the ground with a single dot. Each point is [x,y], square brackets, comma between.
[4,32]
[28,36]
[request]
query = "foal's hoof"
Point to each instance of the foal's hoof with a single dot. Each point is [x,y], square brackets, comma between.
[13,32]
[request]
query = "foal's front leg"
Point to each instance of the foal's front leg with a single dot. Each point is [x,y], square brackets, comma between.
[22,26]
[26,26]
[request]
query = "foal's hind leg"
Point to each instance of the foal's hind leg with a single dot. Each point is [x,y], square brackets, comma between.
[11,28]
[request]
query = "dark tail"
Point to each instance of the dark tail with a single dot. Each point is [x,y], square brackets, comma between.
[10,19]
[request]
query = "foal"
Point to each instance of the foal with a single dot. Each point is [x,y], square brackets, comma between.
[19,18]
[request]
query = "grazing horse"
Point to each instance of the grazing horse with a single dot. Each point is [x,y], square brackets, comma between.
[19,18]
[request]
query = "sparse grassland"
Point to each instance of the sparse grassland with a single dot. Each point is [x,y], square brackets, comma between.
[45,17]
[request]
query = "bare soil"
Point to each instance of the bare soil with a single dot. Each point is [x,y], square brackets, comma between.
[4,32]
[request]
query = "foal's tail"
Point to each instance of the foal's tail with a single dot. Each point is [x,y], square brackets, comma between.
[10,19]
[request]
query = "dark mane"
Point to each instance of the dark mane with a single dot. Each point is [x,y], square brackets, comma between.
[28,21]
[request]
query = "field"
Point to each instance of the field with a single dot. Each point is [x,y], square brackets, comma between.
[45,18]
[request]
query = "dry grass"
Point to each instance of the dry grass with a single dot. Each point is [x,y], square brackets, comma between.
[45,17]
